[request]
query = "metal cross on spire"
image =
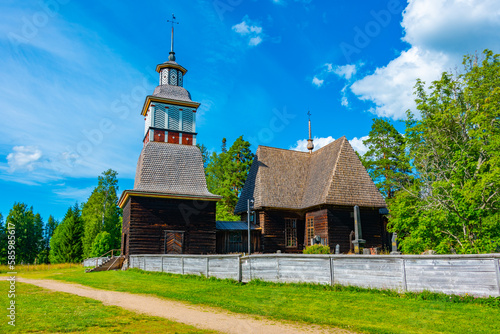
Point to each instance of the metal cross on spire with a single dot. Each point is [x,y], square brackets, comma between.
[309,114]
[172,53]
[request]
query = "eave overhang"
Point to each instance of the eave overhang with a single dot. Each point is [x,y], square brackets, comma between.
[160,67]
[129,193]
[152,98]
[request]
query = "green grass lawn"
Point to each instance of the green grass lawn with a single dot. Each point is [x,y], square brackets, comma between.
[356,309]
[43,311]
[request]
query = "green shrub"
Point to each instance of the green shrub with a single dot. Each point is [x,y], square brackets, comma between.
[317,249]
[102,244]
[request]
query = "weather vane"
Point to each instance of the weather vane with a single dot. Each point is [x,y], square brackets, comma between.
[173,21]
[309,114]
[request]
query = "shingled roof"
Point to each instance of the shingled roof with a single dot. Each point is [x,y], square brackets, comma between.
[171,169]
[288,179]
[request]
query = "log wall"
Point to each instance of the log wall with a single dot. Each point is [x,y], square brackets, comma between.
[146,219]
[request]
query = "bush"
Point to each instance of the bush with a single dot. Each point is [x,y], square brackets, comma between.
[102,244]
[317,249]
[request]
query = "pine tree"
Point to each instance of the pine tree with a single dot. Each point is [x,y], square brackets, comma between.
[101,212]
[226,175]
[66,242]
[386,160]
[3,241]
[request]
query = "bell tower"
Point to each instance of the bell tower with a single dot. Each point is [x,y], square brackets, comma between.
[169,113]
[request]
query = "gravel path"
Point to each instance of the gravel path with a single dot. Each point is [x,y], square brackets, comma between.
[198,316]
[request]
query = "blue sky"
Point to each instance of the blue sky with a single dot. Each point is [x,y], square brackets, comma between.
[74,76]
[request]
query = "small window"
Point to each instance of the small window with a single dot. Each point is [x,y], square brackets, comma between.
[309,230]
[290,232]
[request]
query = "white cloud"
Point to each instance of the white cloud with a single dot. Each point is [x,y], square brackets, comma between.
[252,31]
[357,144]
[345,71]
[23,158]
[254,41]
[391,87]
[78,194]
[317,82]
[301,144]
[440,32]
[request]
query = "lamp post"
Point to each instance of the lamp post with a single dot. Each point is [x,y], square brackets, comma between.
[249,212]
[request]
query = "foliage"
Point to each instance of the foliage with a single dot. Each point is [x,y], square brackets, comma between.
[102,244]
[29,234]
[3,241]
[226,173]
[66,242]
[386,160]
[317,249]
[101,212]
[453,204]
[48,231]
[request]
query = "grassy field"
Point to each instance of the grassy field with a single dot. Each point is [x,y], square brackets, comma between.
[43,311]
[369,311]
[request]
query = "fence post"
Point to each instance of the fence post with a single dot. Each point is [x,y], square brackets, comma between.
[405,287]
[208,259]
[497,269]
[144,263]
[162,257]
[278,268]
[182,265]
[331,271]
[240,274]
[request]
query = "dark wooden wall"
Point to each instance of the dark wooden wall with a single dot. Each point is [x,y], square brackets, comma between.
[273,235]
[225,247]
[125,228]
[151,217]
[320,224]
[341,223]
[332,222]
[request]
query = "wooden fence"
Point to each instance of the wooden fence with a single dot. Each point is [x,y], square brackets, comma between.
[477,275]
[95,261]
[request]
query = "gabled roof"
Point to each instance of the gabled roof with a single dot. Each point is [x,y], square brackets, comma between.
[288,179]
[171,169]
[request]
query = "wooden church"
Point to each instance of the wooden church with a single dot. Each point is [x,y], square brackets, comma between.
[302,195]
[170,209]
[298,195]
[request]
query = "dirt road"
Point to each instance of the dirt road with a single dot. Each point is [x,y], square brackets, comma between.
[198,316]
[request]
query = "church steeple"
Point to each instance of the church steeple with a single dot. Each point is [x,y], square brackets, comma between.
[169,113]
[171,55]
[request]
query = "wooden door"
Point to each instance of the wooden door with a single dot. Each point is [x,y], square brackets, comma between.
[174,241]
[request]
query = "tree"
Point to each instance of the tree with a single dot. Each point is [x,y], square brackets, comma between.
[101,212]
[204,155]
[102,244]
[3,241]
[66,242]
[48,231]
[29,232]
[453,205]
[386,160]
[226,174]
